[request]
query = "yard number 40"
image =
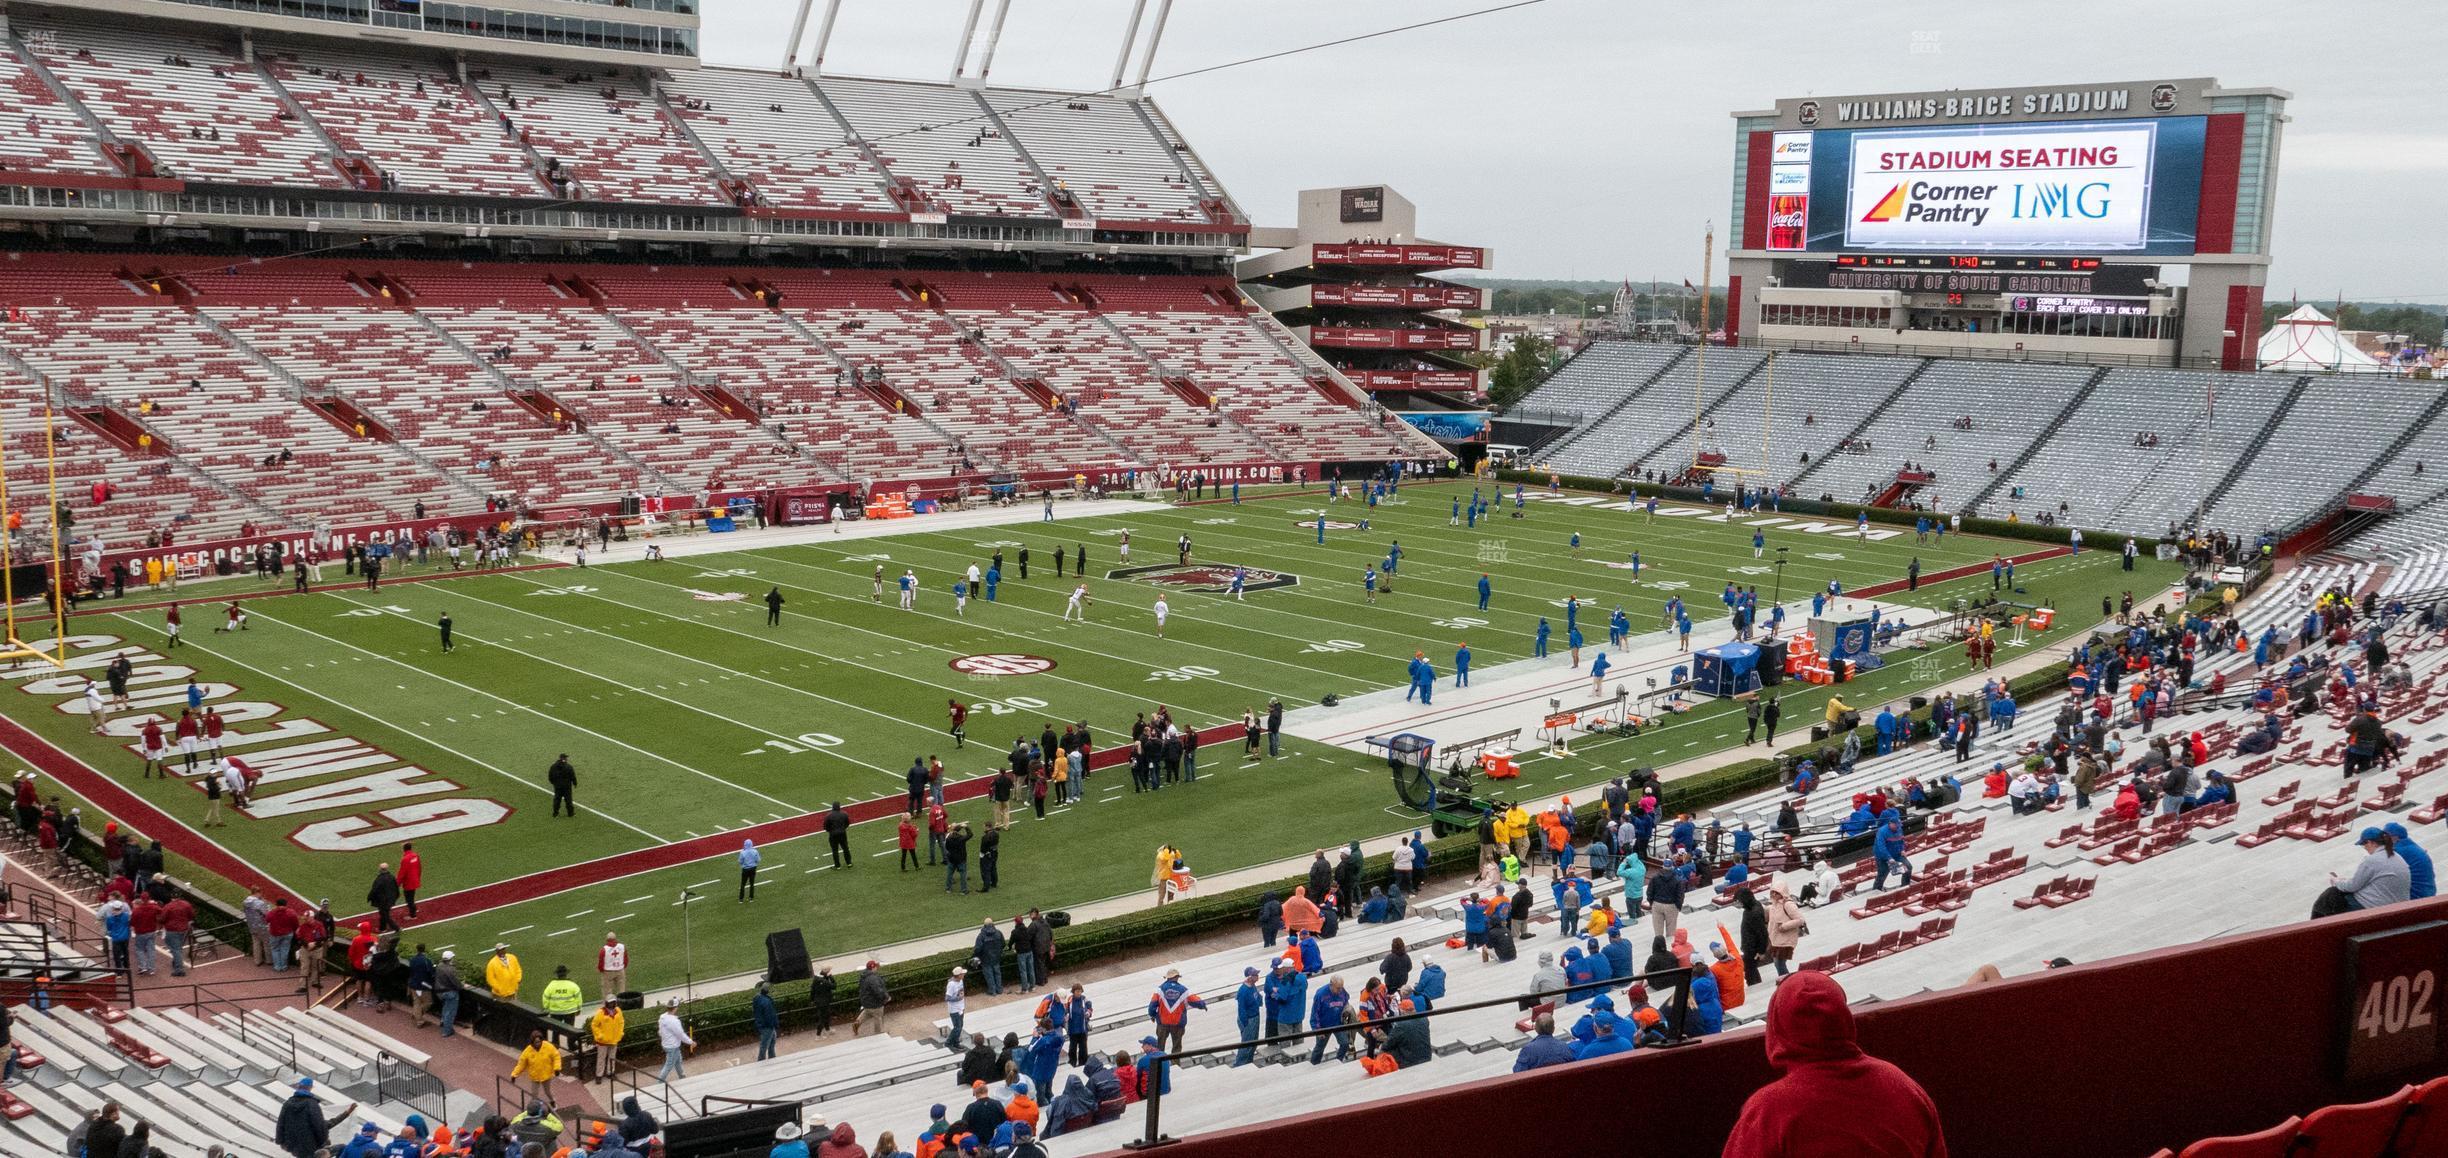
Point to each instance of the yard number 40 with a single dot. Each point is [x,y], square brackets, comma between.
[2398,1004]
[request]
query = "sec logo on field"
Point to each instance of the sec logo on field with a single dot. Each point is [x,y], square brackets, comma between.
[1002,664]
[1331,525]
[1211,578]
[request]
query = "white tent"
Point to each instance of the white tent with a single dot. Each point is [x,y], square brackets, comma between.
[2307,340]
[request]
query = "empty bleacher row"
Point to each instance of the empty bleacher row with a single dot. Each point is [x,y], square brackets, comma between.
[201,1081]
[587,383]
[2125,450]
[204,108]
[1641,427]
[2009,406]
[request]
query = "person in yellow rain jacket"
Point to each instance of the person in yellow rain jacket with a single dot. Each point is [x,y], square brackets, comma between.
[607,1027]
[1517,832]
[502,974]
[540,1063]
[1165,856]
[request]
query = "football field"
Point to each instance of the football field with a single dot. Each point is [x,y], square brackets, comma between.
[693,724]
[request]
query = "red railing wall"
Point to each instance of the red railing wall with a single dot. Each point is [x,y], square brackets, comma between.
[2111,1059]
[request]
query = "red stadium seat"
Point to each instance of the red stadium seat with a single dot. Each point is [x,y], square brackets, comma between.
[2271,1143]
[2360,1130]
[2423,1131]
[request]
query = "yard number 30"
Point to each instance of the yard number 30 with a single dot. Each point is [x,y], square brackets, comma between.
[2396,1005]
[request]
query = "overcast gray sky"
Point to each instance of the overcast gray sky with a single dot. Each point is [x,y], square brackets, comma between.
[1590,138]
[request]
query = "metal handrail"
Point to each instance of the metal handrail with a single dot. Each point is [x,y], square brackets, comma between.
[385,1062]
[47,909]
[661,1095]
[1671,1016]
[705,1104]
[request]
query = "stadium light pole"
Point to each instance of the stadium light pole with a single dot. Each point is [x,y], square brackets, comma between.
[688,947]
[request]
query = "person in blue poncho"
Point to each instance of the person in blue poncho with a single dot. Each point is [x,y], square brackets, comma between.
[1073,1109]
[1887,848]
[1429,986]
[1045,1054]
[1705,1005]
[1313,959]
[1287,997]
[1618,953]
[1580,975]
[1600,968]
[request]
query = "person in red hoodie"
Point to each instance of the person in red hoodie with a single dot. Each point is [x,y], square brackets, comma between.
[361,948]
[909,842]
[411,876]
[841,1143]
[1833,1100]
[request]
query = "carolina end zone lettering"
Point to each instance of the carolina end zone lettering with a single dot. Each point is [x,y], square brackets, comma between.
[304,767]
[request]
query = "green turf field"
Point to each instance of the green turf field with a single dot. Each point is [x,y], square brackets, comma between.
[687,716]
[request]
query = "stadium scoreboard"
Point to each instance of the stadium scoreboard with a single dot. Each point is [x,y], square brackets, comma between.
[2032,184]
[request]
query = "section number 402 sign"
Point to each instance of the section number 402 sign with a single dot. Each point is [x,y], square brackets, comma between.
[2391,1019]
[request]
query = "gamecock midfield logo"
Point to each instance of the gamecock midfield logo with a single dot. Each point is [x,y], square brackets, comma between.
[1211,578]
[1002,664]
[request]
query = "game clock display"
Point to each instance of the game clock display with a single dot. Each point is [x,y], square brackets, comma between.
[1966,261]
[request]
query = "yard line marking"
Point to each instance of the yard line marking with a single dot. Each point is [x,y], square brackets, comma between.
[920,681]
[1237,654]
[520,929]
[566,723]
[702,884]
[346,707]
[695,659]
[578,914]
[558,932]
[634,900]
[622,917]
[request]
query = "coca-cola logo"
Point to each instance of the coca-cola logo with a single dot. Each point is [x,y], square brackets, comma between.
[1787,220]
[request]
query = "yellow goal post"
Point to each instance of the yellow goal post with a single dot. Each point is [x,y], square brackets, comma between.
[47,621]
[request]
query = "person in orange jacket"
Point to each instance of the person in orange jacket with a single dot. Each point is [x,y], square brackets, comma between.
[1300,914]
[1020,1107]
[1728,970]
